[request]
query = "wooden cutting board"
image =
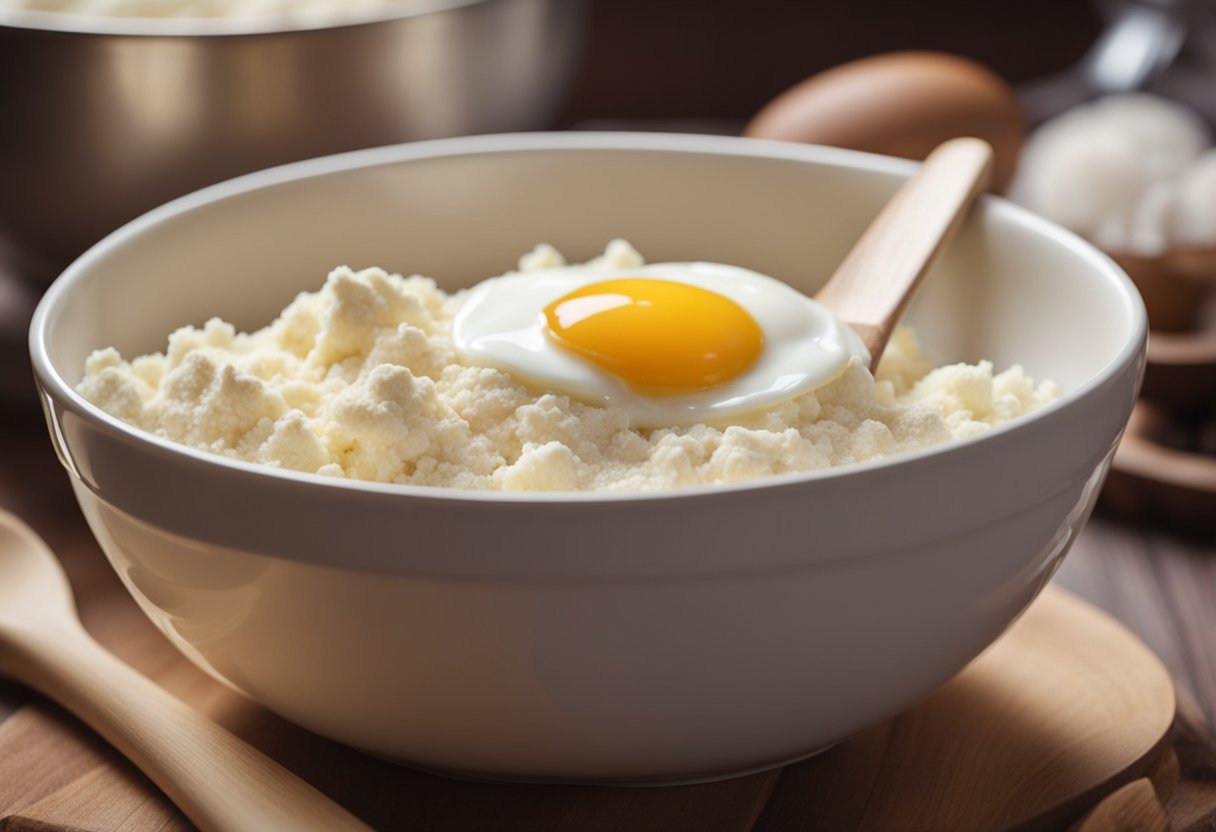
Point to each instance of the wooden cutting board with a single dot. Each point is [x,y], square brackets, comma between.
[1066,709]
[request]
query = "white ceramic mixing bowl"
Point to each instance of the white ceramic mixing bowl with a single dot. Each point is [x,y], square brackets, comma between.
[588,637]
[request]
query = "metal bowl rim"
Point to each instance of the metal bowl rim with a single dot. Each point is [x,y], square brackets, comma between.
[71,23]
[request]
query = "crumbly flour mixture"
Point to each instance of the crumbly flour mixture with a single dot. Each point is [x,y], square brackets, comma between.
[360,380]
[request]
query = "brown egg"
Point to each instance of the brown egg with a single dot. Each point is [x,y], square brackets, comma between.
[900,104]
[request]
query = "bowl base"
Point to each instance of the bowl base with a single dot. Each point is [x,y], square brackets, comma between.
[621,782]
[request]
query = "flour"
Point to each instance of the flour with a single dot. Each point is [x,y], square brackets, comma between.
[360,380]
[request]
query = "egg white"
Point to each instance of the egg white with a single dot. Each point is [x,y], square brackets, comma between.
[501,325]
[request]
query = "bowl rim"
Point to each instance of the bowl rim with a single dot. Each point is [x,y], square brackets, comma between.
[57,389]
[77,23]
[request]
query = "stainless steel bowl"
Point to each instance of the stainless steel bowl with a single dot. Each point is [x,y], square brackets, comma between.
[104,118]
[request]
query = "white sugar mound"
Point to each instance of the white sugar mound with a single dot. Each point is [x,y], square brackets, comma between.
[1132,173]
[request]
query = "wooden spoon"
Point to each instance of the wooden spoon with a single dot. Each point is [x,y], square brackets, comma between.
[218,781]
[871,288]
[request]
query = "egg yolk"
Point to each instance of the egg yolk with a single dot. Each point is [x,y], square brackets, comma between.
[661,336]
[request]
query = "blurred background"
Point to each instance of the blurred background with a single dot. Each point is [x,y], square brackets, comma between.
[719,60]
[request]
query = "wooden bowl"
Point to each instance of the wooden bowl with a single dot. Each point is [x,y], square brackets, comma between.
[1156,478]
[1181,372]
[1160,473]
[1176,286]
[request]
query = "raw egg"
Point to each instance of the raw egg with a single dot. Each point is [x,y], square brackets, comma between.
[900,104]
[670,343]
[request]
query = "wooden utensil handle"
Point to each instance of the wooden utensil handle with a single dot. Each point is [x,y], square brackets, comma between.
[872,286]
[221,783]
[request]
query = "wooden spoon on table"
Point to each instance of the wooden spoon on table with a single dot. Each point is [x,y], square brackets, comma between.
[220,782]
[871,287]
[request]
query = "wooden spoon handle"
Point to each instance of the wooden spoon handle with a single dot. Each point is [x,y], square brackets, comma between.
[872,286]
[220,782]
